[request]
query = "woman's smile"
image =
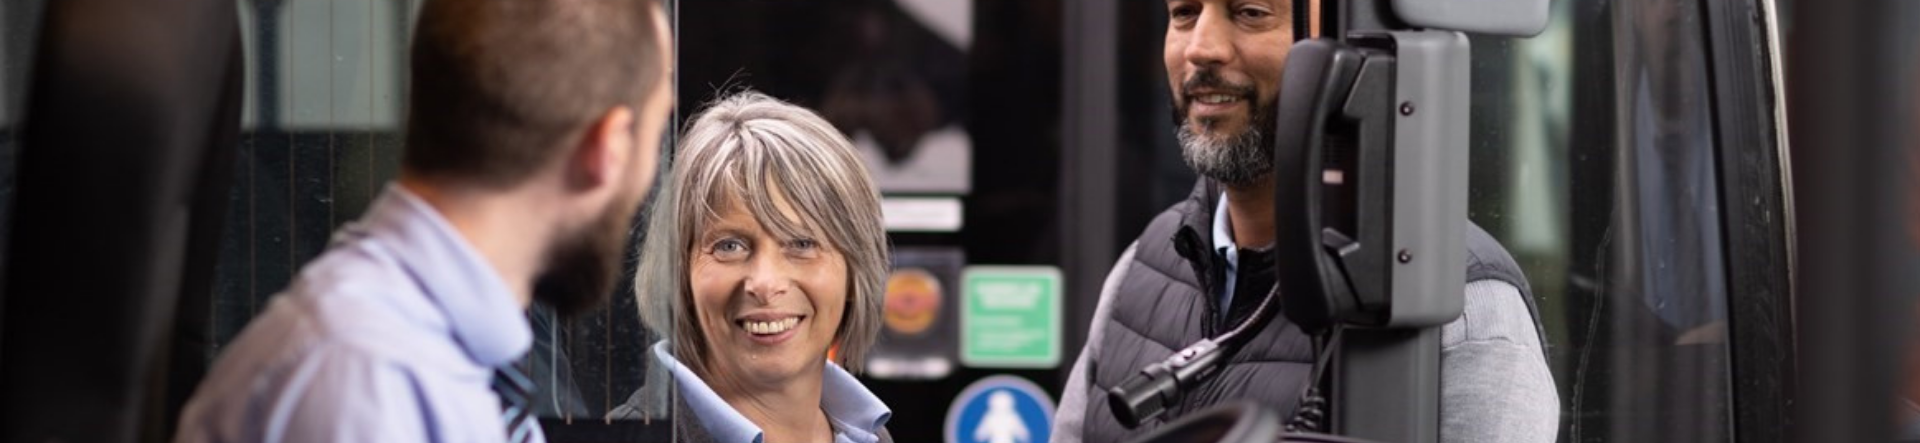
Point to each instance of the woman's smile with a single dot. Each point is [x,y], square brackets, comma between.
[770,330]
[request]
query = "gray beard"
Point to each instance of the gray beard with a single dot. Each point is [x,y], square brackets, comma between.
[1238,160]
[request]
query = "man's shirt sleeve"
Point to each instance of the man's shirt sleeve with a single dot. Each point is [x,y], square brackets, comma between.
[346,396]
[1069,420]
[1495,385]
[332,394]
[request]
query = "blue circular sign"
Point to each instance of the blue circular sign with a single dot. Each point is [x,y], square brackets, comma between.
[1000,409]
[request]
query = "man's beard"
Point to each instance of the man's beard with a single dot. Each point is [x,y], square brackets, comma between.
[1236,159]
[583,266]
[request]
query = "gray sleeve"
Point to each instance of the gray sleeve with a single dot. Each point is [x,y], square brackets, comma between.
[1494,382]
[1068,420]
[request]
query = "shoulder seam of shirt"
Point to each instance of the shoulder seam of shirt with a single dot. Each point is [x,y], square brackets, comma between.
[1467,337]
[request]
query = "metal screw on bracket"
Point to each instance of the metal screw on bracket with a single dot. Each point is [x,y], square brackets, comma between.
[1406,257]
[1406,108]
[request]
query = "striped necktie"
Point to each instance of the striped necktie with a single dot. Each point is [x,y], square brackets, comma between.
[516,399]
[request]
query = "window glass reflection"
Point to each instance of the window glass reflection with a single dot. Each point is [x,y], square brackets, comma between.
[1594,162]
[952,104]
[320,138]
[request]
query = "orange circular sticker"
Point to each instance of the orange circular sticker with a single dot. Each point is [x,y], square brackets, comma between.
[913,301]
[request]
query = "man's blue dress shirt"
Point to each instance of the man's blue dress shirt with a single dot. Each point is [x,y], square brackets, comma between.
[855,414]
[391,335]
[1223,244]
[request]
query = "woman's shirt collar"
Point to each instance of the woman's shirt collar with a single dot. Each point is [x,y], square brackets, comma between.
[855,413]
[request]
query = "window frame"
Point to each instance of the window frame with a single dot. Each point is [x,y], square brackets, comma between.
[1756,219]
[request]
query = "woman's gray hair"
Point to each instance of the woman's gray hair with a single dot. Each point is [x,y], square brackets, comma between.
[755,148]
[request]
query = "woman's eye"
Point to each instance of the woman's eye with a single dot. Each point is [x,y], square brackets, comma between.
[805,246]
[729,248]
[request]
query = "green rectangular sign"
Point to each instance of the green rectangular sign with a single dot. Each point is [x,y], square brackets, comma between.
[1010,317]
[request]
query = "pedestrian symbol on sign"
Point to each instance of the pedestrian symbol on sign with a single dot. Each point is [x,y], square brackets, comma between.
[1000,409]
[1002,424]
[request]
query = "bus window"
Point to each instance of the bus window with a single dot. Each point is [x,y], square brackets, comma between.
[951,104]
[1594,162]
[321,136]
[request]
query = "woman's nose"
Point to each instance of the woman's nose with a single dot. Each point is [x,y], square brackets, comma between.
[767,277]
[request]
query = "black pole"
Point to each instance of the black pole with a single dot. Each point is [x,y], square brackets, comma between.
[1388,385]
[1385,381]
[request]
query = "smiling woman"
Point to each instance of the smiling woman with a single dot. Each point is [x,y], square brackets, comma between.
[771,252]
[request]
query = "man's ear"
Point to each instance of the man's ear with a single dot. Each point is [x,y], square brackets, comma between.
[601,155]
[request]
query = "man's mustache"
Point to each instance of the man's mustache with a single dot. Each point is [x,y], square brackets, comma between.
[1211,79]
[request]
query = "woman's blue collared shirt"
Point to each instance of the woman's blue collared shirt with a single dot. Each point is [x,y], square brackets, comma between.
[856,415]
